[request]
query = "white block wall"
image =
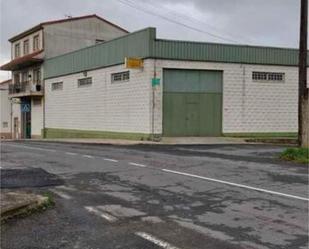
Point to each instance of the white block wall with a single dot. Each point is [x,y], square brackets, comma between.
[127,107]
[16,114]
[248,106]
[102,106]
[36,118]
[5,111]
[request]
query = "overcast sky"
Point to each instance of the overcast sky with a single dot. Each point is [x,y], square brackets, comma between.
[255,22]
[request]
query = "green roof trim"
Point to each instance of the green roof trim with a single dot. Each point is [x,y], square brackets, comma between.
[144,44]
[113,52]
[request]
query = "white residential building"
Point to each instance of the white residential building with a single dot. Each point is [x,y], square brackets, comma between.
[31,48]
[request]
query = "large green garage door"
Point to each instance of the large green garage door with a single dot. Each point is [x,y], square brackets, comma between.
[192,103]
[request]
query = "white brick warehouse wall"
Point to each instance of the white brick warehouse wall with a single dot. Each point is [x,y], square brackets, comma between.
[247,106]
[102,106]
[127,107]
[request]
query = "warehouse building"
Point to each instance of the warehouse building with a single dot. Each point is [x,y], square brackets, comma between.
[182,89]
[170,88]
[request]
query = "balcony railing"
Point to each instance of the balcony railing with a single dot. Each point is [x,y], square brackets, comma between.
[26,89]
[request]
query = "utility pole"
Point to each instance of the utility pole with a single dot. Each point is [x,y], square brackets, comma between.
[303,109]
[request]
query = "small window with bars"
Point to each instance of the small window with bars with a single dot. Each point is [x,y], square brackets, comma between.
[84,82]
[56,86]
[268,77]
[120,77]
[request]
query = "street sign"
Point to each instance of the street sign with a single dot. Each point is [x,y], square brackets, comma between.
[133,62]
[25,107]
[155,81]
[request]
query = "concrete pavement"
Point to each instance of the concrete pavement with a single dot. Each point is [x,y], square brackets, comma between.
[164,141]
[145,196]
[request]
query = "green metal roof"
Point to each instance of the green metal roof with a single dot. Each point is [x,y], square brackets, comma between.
[144,44]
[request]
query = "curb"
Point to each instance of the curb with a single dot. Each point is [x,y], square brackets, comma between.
[25,208]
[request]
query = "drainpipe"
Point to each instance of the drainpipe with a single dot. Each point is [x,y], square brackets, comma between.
[44,95]
[243,99]
[11,114]
[153,101]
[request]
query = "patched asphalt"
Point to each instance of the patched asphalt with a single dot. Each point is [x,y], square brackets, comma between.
[183,211]
[28,177]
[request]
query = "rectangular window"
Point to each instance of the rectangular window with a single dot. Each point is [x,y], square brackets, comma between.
[16,78]
[17,50]
[268,77]
[26,47]
[36,43]
[37,76]
[24,76]
[120,77]
[85,81]
[5,124]
[57,86]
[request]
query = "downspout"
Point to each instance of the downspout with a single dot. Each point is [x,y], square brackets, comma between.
[153,101]
[11,118]
[243,99]
[43,131]
[43,79]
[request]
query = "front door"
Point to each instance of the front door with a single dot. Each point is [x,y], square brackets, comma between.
[192,102]
[26,118]
[192,112]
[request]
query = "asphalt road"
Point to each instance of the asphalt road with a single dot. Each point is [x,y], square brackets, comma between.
[145,196]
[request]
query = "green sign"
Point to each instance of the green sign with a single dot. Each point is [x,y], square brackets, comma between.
[155,81]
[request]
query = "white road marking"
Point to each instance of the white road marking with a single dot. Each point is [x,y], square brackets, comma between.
[31,148]
[62,194]
[104,215]
[71,153]
[237,185]
[88,156]
[111,160]
[155,240]
[67,188]
[138,165]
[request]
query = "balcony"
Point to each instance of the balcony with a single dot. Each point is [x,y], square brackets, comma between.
[28,60]
[25,89]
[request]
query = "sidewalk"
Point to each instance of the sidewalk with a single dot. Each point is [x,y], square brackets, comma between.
[15,203]
[164,141]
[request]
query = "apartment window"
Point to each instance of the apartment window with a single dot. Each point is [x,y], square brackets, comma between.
[84,82]
[268,76]
[36,43]
[16,78]
[26,47]
[24,76]
[17,50]
[37,76]
[5,124]
[56,86]
[120,77]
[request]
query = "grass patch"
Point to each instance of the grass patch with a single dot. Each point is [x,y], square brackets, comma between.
[28,210]
[299,155]
[50,201]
